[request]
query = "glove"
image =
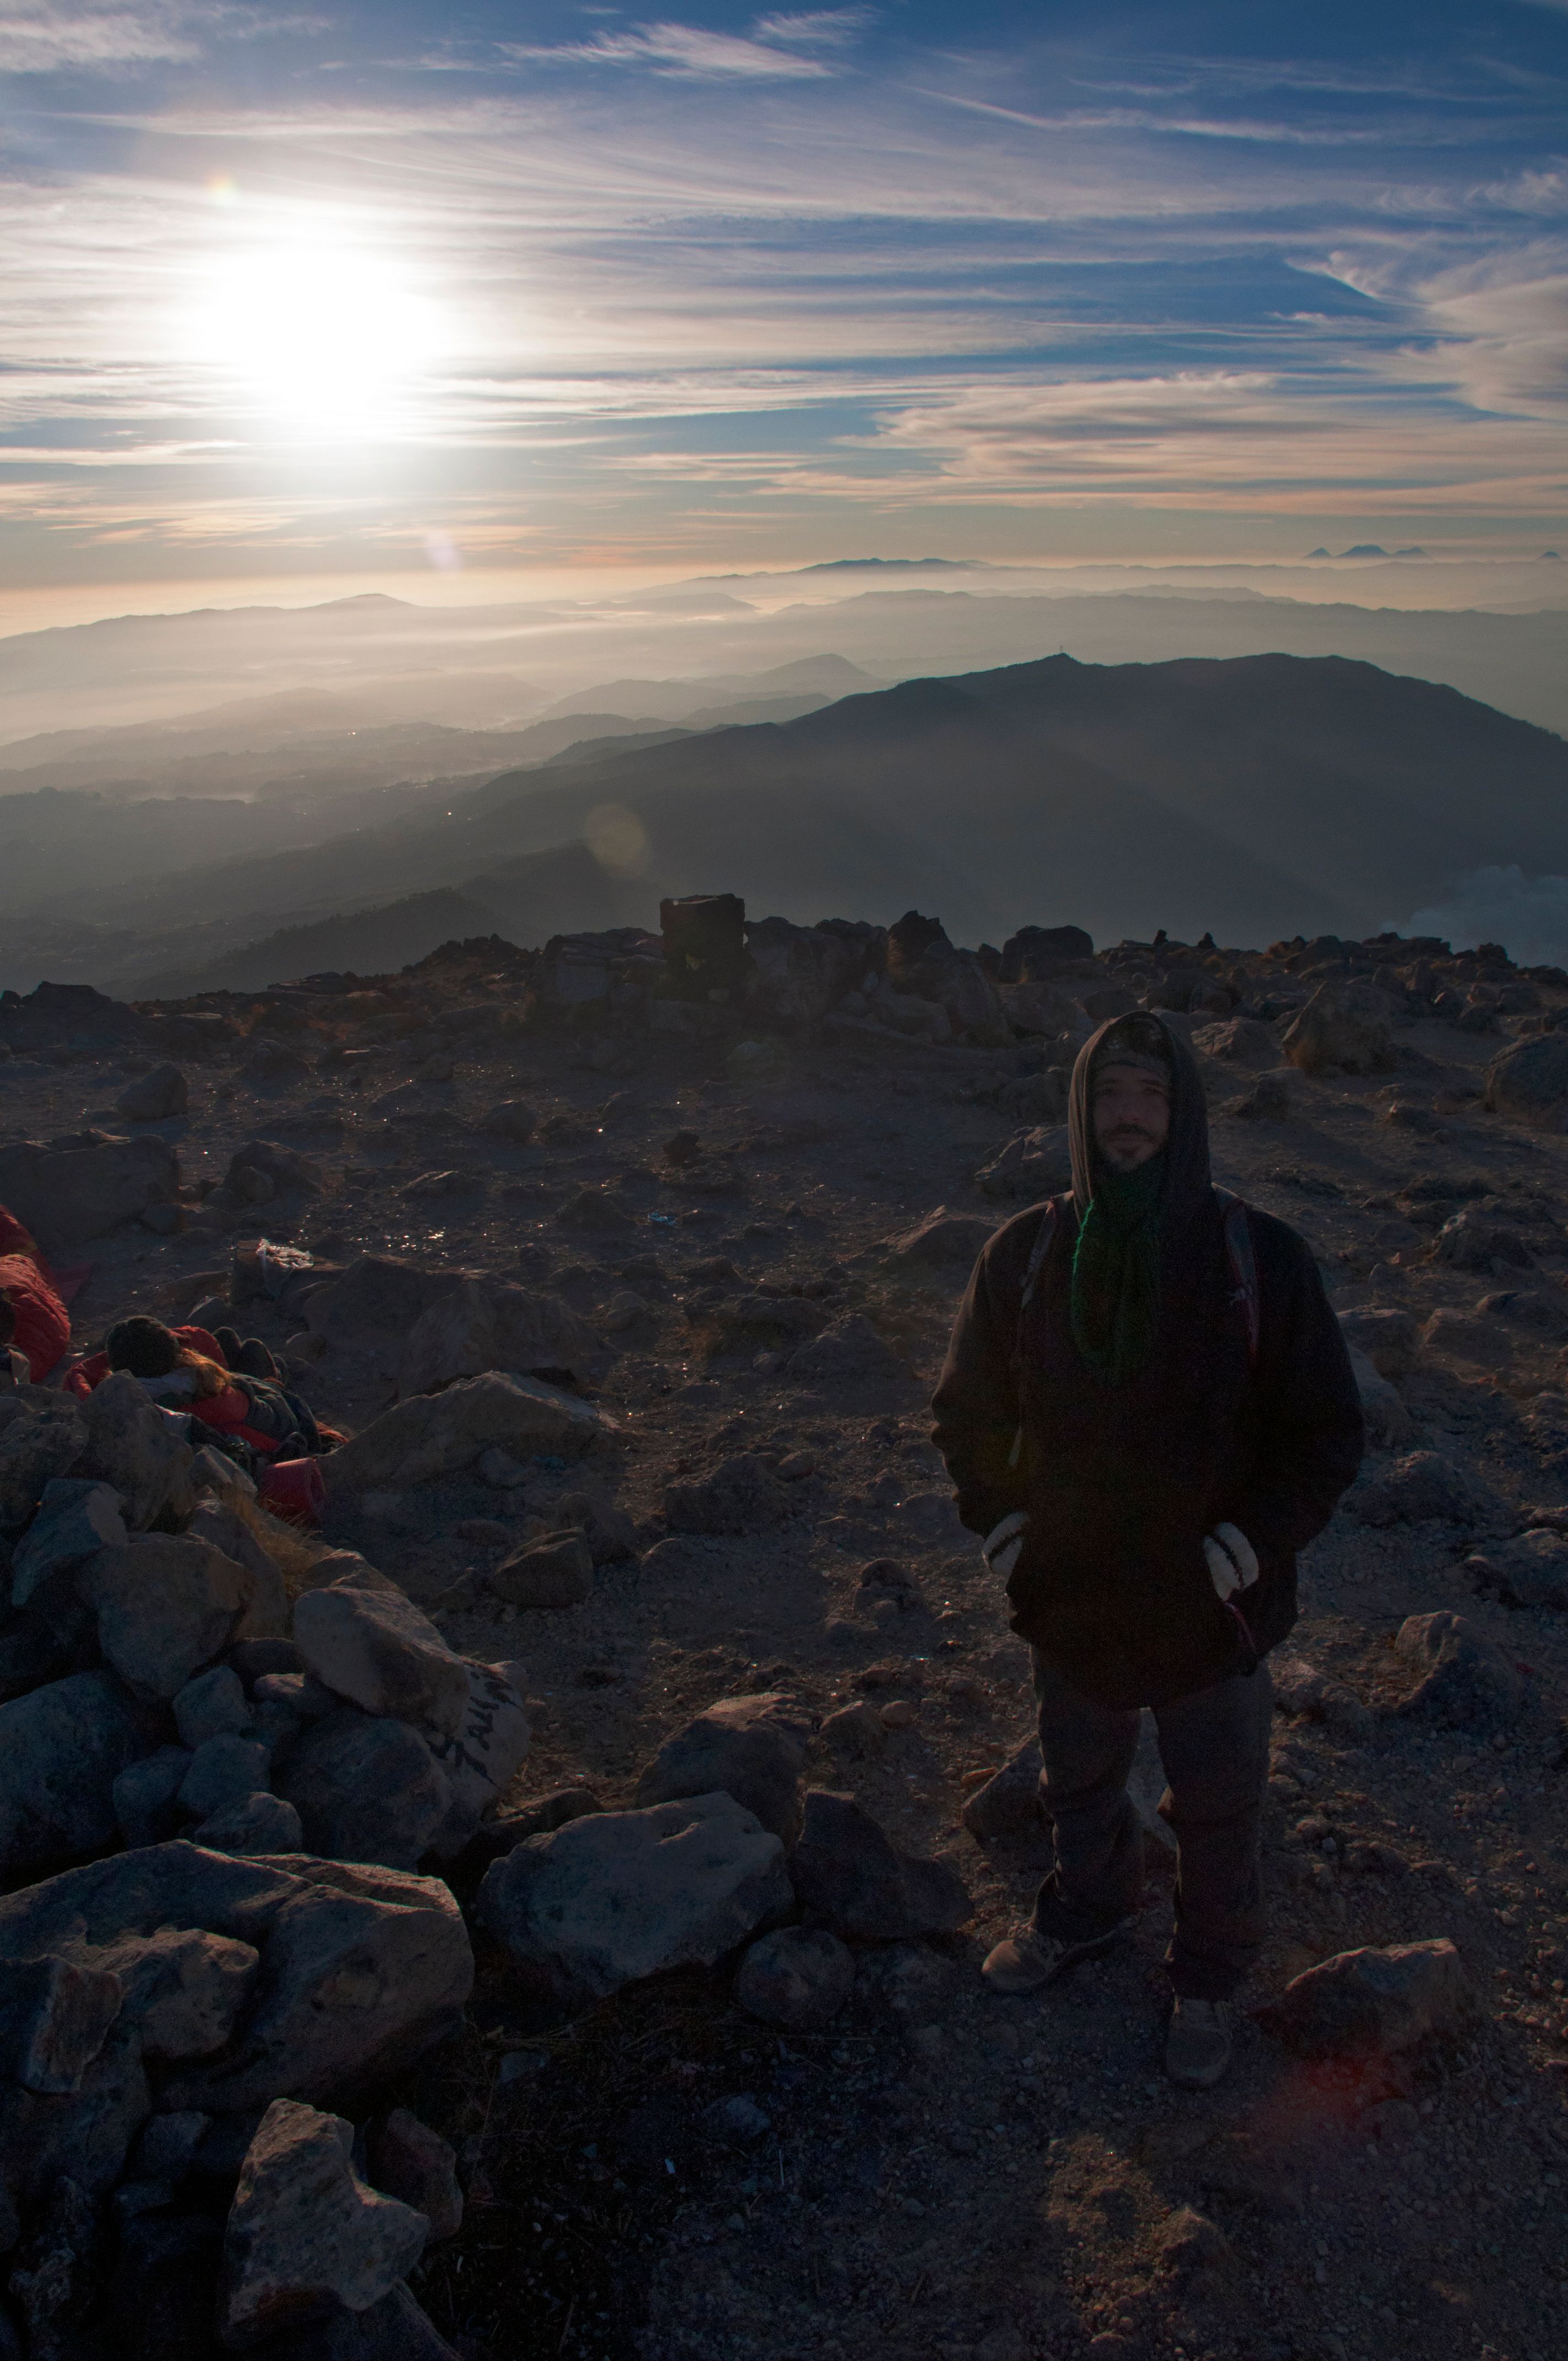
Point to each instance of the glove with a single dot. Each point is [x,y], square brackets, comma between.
[1002,1544]
[1232,1560]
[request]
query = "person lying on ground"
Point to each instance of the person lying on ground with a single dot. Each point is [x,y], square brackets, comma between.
[1147,1409]
[185,1370]
[40,1325]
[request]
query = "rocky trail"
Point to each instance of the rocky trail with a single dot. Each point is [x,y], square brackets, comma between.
[539,1912]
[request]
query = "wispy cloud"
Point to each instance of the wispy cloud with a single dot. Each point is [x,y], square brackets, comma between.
[694,53]
[42,37]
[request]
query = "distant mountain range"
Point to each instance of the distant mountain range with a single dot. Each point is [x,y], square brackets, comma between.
[1257,797]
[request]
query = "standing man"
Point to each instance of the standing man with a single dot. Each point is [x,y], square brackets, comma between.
[1147,1408]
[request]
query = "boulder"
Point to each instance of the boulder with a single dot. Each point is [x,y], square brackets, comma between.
[221,1525]
[145,1795]
[742,1495]
[849,1352]
[138,1449]
[1009,1804]
[1392,1341]
[799,972]
[1238,1041]
[1388,1423]
[611,1535]
[538,1818]
[366,1789]
[1304,1689]
[555,1571]
[67,1195]
[261,1824]
[1474,1239]
[376,1303]
[1462,1679]
[405,2160]
[214,1702]
[1421,1486]
[1531,1570]
[438,1434]
[223,1771]
[750,1748]
[481,1325]
[1528,1081]
[61,1749]
[362,1969]
[620,1896]
[1041,951]
[1344,1025]
[942,1238]
[183,1988]
[482,1757]
[850,1877]
[167,1607]
[1034,1164]
[514,1119]
[41,1435]
[1041,1009]
[797,1979]
[153,1097]
[598,1211]
[376,1649]
[1370,2003]
[54,2020]
[76,1517]
[306,2237]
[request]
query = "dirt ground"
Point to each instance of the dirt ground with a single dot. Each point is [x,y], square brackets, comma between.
[944,2171]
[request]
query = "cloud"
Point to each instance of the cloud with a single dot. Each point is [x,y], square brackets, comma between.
[43,36]
[814,27]
[1528,915]
[684,51]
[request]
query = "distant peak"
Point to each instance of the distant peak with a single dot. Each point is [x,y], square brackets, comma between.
[892,565]
[361,599]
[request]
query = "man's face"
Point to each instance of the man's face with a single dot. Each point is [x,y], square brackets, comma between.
[1131,1109]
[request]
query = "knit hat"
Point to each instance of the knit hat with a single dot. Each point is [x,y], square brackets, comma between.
[142,1346]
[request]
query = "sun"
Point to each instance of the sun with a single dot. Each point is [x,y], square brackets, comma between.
[327,338]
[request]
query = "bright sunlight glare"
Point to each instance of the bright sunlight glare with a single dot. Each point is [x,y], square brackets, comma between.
[328,339]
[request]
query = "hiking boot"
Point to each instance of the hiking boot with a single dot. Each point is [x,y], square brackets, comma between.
[1198,2042]
[1027,1961]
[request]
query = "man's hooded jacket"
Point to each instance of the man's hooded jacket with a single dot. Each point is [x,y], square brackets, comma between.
[1120,1482]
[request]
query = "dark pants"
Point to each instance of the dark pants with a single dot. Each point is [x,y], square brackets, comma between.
[1214,1748]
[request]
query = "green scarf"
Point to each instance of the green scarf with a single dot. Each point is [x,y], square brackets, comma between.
[1115,1272]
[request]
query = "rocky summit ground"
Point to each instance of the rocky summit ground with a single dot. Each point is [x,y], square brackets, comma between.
[736,1200]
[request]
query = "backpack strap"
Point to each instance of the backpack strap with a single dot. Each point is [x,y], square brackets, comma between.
[1243,1259]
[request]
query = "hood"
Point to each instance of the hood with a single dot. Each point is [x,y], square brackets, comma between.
[1188,1178]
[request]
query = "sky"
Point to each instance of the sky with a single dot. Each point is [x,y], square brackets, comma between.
[353,291]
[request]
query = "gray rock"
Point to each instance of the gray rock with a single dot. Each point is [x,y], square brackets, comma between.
[267,1615]
[301,1695]
[55,2016]
[742,1495]
[537,1818]
[214,1702]
[84,2135]
[750,1748]
[1531,1570]
[620,1895]
[1238,1041]
[61,1749]
[167,1605]
[37,1647]
[1473,1239]
[611,1535]
[737,2121]
[75,1518]
[438,1435]
[67,1195]
[1301,1689]
[306,2238]
[363,1968]
[393,2330]
[376,1649]
[555,1571]
[943,1238]
[849,1352]
[224,1770]
[1388,1423]
[1032,1164]
[167,2148]
[514,1119]
[1464,1679]
[1390,1340]
[145,1795]
[1009,1804]
[1421,1487]
[405,2160]
[137,1448]
[850,1877]
[482,1757]
[797,1979]
[184,1988]
[153,1097]
[1528,1082]
[365,1789]
[1372,2002]
[1345,1025]
[486,1324]
[41,1435]
[261,1824]
[913,1981]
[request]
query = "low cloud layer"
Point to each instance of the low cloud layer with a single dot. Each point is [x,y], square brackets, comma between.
[1528,915]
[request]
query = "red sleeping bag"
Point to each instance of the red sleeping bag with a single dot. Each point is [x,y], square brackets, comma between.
[43,1323]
